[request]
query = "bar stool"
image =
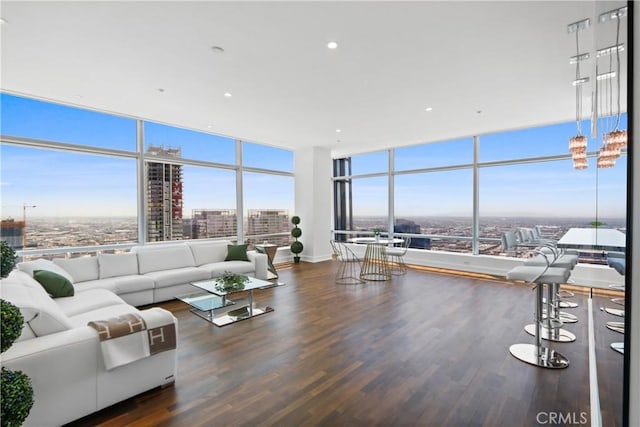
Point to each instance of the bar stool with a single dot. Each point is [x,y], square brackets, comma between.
[536,354]
[555,318]
[532,237]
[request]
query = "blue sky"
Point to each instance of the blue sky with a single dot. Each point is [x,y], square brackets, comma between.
[74,184]
[88,185]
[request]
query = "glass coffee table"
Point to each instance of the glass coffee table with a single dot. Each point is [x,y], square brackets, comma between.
[216,307]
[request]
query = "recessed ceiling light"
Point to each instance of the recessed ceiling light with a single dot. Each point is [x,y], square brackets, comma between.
[160,89]
[228,94]
[428,109]
[337,140]
[478,111]
[332,45]
[338,130]
[217,49]
[209,126]
[3,21]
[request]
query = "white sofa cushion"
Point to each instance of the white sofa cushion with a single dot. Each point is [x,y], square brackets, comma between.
[81,269]
[43,264]
[112,265]
[119,285]
[178,276]
[208,252]
[81,319]
[216,269]
[83,302]
[38,309]
[160,258]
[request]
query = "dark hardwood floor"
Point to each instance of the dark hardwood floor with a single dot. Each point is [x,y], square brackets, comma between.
[425,349]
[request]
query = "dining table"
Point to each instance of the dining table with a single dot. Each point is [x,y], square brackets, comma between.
[375,264]
[595,238]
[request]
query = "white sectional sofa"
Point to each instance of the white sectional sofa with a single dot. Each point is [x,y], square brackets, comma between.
[62,354]
[156,272]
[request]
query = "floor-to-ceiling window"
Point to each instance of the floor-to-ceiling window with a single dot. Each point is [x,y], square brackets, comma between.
[75,180]
[68,176]
[268,200]
[189,184]
[525,178]
[433,194]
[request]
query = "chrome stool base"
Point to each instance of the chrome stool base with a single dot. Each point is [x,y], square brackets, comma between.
[568,317]
[557,335]
[567,304]
[618,346]
[565,294]
[616,326]
[615,311]
[563,304]
[547,358]
[564,317]
[619,301]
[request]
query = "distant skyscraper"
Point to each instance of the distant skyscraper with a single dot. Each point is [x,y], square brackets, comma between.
[13,233]
[164,195]
[266,221]
[207,223]
[408,226]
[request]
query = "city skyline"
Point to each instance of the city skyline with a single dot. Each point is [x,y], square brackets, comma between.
[455,232]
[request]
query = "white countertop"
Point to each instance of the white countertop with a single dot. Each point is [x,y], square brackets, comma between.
[593,238]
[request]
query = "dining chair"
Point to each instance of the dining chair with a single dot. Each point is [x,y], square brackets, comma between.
[396,257]
[349,268]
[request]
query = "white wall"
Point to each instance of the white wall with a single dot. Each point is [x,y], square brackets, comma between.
[313,192]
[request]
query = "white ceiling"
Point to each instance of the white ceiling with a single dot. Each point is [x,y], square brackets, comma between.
[507,59]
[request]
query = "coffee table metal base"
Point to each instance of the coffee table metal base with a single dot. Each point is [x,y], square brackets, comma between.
[217,307]
[227,319]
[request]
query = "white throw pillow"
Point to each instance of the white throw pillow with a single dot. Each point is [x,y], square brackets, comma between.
[43,264]
[81,269]
[114,265]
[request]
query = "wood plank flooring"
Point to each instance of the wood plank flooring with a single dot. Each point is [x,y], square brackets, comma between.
[424,349]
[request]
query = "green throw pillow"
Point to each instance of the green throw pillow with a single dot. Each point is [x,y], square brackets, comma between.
[55,284]
[236,253]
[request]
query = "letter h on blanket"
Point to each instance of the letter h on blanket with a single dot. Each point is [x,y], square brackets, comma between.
[130,337]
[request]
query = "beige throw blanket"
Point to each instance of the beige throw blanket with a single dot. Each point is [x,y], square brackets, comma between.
[127,338]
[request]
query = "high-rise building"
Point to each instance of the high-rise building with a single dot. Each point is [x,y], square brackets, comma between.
[164,195]
[266,221]
[207,223]
[13,233]
[408,226]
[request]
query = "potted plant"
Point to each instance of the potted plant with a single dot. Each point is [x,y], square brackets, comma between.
[231,281]
[296,246]
[16,392]
[7,260]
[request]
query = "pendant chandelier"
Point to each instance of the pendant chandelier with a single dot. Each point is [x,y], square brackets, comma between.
[578,143]
[614,139]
